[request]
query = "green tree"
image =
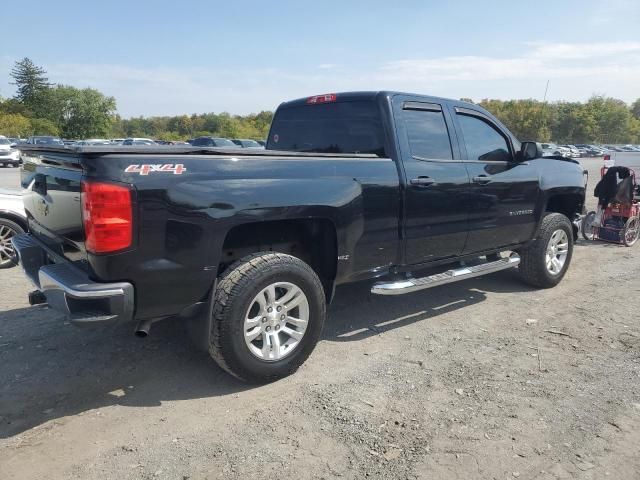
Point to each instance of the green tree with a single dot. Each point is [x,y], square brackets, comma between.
[612,119]
[14,125]
[30,81]
[527,119]
[635,108]
[80,113]
[44,126]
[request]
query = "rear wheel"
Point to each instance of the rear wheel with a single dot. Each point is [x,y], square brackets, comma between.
[631,231]
[546,260]
[8,230]
[267,317]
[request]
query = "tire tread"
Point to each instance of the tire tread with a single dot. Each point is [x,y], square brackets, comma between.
[236,278]
[532,267]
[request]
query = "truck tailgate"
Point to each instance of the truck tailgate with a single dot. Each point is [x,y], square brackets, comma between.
[52,201]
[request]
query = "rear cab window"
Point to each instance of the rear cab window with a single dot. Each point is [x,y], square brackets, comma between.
[427,131]
[338,127]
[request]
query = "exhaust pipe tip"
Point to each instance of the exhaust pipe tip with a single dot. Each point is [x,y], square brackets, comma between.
[142,330]
[36,297]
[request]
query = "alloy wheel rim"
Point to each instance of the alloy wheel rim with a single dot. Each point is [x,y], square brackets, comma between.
[276,321]
[557,251]
[7,252]
[631,232]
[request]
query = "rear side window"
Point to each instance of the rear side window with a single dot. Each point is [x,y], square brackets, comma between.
[202,142]
[343,127]
[483,142]
[427,134]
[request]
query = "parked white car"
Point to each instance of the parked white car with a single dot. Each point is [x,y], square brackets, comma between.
[138,141]
[573,151]
[93,141]
[9,156]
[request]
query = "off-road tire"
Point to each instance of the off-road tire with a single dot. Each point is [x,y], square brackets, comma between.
[235,291]
[532,268]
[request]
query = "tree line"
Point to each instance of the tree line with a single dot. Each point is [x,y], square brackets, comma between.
[42,108]
[601,119]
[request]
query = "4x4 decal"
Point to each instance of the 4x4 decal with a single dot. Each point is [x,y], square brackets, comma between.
[146,169]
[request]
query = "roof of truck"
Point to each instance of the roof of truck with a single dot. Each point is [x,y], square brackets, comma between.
[368,95]
[97,150]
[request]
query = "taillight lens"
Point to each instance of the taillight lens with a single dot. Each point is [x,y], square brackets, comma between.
[107,214]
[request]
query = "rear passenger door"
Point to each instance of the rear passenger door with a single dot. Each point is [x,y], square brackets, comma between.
[503,193]
[436,182]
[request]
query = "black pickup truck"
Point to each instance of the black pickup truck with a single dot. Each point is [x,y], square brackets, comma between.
[409,190]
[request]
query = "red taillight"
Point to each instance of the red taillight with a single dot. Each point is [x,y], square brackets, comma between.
[107,217]
[326,98]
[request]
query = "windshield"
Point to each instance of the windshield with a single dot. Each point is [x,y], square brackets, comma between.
[345,127]
[47,141]
[4,141]
[251,143]
[223,142]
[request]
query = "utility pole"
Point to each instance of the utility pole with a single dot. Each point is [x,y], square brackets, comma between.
[544,104]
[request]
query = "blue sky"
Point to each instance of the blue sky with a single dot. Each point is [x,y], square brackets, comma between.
[244,56]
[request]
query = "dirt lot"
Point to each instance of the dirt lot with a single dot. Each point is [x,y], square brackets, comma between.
[482,379]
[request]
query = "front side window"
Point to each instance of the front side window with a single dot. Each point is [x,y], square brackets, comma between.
[427,134]
[483,142]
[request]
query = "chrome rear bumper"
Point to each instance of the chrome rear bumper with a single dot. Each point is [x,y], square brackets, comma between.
[69,289]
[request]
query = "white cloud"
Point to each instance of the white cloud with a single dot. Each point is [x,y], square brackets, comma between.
[565,51]
[575,71]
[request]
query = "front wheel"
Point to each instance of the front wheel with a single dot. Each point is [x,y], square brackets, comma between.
[267,317]
[546,260]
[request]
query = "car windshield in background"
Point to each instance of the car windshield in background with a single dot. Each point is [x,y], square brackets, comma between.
[4,141]
[344,127]
[223,142]
[47,141]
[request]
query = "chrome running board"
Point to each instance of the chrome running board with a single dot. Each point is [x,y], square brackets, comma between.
[455,275]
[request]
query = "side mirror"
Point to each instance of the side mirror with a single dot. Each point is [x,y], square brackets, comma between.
[530,150]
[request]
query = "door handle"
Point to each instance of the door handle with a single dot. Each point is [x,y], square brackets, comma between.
[422,181]
[482,179]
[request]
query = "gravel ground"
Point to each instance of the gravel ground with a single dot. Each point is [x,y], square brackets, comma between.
[486,378]
[10,178]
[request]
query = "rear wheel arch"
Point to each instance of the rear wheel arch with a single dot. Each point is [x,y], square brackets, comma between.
[568,204]
[12,217]
[312,240]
